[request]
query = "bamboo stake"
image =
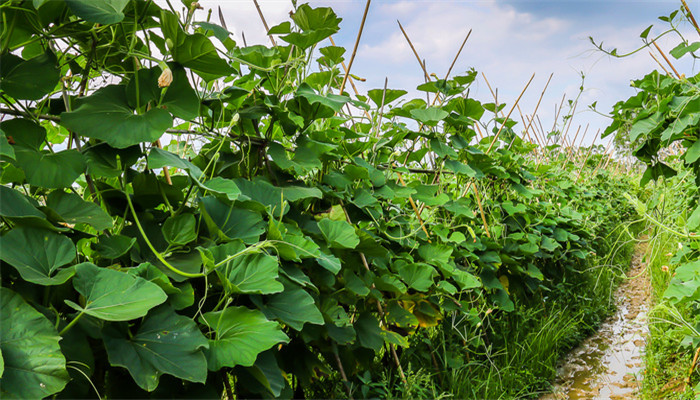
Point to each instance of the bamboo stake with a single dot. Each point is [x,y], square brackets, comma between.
[660,65]
[509,113]
[557,111]
[692,19]
[415,208]
[262,17]
[352,81]
[493,94]
[527,127]
[590,149]
[454,61]
[571,146]
[425,72]
[502,126]
[481,210]
[666,58]
[595,171]
[354,49]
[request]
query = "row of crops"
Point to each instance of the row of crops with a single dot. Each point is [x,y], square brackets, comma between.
[184,216]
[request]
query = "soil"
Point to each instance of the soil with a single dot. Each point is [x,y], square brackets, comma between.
[608,365]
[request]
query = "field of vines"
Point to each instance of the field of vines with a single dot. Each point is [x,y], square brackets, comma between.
[186,216]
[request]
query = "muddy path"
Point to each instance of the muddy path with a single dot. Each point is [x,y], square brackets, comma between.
[608,365]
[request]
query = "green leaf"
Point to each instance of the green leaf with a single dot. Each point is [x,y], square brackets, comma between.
[25,133]
[166,343]
[37,255]
[98,11]
[104,291]
[693,221]
[74,210]
[683,48]
[429,116]
[242,272]
[31,79]
[198,54]
[369,334]
[693,153]
[33,365]
[180,229]
[14,204]
[180,99]
[6,149]
[339,234]
[376,95]
[108,106]
[223,186]
[294,307]
[159,158]
[113,246]
[418,276]
[51,170]
[333,101]
[241,334]
[230,222]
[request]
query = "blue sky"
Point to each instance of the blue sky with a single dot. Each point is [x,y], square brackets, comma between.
[511,40]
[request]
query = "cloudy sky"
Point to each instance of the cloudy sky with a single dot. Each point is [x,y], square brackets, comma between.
[511,40]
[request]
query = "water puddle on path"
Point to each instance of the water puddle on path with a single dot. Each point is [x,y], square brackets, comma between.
[608,365]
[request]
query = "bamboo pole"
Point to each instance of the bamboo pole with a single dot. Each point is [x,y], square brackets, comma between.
[595,171]
[692,18]
[354,49]
[659,62]
[262,17]
[425,72]
[590,149]
[666,58]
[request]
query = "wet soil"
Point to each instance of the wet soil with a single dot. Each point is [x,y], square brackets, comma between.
[608,365]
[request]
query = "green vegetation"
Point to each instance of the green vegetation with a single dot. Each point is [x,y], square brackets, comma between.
[293,240]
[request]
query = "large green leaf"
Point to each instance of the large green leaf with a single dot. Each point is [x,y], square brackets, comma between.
[294,307]
[241,334]
[14,204]
[31,79]
[108,107]
[418,276]
[24,133]
[253,272]
[199,54]
[230,222]
[166,343]
[339,234]
[34,367]
[180,229]
[388,95]
[38,254]
[179,98]
[334,101]
[51,170]
[74,210]
[112,295]
[429,116]
[98,11]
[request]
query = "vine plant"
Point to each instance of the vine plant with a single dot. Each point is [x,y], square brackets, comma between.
[275,238]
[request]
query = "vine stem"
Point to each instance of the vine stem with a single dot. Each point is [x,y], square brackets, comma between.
[70,324]
[150,245]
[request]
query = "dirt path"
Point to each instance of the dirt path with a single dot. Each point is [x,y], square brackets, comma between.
[608,365]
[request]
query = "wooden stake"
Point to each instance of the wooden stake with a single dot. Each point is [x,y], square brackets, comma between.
[587,155]
[267,28]
[692,19]
[425,72]
[660,65]
[510,112]
[354,49]
[595,171]
[666,58]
